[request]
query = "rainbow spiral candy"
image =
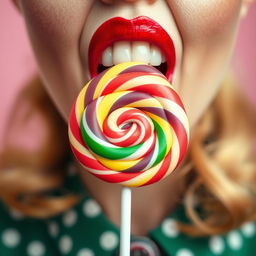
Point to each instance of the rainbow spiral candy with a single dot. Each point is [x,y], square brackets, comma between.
[129,126]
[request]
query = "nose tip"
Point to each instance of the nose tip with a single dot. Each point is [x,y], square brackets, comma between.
[127,1]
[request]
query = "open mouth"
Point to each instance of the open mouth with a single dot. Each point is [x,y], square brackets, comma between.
[140,39]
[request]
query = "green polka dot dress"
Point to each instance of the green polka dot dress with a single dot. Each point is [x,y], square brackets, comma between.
[85,231]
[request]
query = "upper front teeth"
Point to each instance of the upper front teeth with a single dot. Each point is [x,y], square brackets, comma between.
[156,57]
[107,59]
[140,51]
[124,51]
[121,52]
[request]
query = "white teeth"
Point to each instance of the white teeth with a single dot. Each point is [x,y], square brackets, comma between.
[121,52]
[140,51]
[125,51]
[155,56]
[107,59]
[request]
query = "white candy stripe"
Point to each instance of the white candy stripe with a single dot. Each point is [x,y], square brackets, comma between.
[142,134]
[136,123]
[175,154]
[155,154]
[144,177]
[98,101]
[113,73]
[126,136]
[142,150]
[79,105]
[94,137]
[101,172]
[105,85]
[143,80]
[113,117]
[77,145]
[176,110]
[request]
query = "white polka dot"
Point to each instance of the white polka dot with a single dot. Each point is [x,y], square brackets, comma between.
[69,218]
[108,240]
[234,240]
[36,248]
[248,229]
[216,244]
[184,252]
[65,244]
[169,228]
[85,252]
[16,214]
[11,237]
[53,229]
[91,208]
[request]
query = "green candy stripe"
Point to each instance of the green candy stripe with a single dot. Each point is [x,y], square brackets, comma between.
[107,152]
[161,141]
[121,153]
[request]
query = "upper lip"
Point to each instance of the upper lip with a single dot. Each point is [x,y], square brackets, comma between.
[141,28]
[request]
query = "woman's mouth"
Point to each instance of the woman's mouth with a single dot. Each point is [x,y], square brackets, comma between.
[140,39]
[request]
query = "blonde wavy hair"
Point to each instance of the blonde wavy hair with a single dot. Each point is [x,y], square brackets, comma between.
[221,178]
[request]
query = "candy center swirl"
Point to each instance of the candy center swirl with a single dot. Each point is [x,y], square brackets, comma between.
[127,131]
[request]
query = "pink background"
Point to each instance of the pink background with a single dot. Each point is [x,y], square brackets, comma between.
[17,63]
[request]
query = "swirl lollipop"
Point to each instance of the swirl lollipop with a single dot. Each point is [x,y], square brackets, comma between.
[129,126]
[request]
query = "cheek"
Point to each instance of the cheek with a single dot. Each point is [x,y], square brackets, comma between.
[54,28]
[204,19]
[207,29]
[56,21]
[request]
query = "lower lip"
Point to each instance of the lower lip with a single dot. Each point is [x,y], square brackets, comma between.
[138,29]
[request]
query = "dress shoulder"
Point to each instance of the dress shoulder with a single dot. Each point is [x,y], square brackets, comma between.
[21,236]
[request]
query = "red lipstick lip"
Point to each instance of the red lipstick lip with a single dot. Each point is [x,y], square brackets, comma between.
[141,28]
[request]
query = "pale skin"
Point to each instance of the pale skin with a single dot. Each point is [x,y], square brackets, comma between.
[203,32]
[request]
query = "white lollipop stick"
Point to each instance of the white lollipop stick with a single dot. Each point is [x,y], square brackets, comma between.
[125,232]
